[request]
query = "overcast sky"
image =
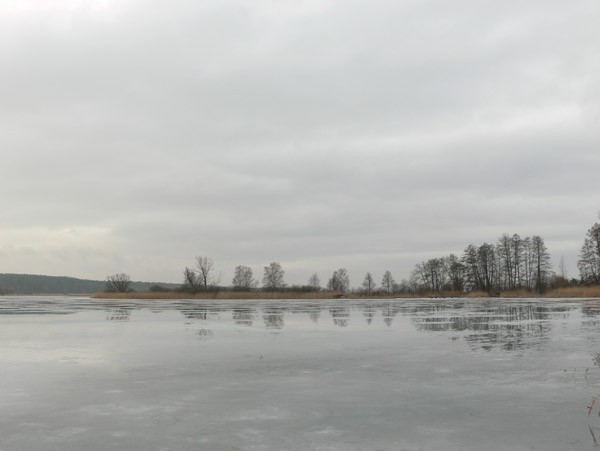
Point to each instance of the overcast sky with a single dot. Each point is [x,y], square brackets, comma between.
[371,135]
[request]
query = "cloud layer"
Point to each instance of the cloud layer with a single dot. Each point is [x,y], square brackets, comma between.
[367,135]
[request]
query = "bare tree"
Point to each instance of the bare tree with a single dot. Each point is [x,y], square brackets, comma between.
[481,267]
[369,284]
[542,263]
[456,272]
[314,282]
[120,283]
[431,274]
[470,260]
[562,269]
[388,282]
[528,264]
[489,265]
[340,281]
[518,252]
[243,279]
[191,282]
[205,268]
[273,277]
[505,251]
[589,256]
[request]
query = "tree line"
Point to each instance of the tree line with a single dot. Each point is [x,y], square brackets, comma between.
[512,263]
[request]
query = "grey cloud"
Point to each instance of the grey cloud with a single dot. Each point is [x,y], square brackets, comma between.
[321,134]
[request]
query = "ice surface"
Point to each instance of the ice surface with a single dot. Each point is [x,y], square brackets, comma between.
[82,374]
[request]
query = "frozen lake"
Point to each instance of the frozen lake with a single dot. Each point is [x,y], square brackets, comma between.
[461,374]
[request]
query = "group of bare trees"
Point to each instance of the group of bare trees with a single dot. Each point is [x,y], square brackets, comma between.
[388,284]
[203,277]
[513,263]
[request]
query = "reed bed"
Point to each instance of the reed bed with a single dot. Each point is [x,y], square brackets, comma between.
[567,292]
[575,292]
[217,295]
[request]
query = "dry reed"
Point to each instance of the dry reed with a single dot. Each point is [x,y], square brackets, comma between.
[568,292]
[216,295]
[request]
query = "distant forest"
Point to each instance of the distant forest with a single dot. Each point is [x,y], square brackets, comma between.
[36,284]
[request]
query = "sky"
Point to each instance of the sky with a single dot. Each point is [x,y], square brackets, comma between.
[370,135]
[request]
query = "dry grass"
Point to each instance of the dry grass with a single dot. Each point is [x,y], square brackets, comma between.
[477,294]
[517,294]
[568,292]
[575,292]
[217,295]
[254,295]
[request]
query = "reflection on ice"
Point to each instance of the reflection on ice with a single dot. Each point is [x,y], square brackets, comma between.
[273,317]
[484,324]
[340,315]
[509,326]
[456,374]
[119,314]
[243,316]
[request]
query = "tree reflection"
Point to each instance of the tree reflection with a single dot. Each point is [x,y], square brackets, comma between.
[314,312]
[243,316]
[341,315]
[200,312]
[369,313]
[591,316]
[273,317]
[389,312]
[509,327]
[121,314]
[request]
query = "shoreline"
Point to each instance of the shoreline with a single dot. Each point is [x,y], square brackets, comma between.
[569,292]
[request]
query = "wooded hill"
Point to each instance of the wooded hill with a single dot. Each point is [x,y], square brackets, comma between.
[37,284]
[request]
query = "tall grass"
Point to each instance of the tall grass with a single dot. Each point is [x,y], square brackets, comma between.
[575,292]
[276,295]
[567,292]
[218,295]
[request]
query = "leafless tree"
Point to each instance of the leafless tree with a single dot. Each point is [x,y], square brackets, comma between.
[542,263]
[456,272]
[489,265]
[191,282]
[511,253]
[528,264]
[562,269]
[518,250]
[314,282]
[470,260]
[369,285]
[339,281]
[589,256]
[388,282]
[120,283]
[431,274]
[505,252]
[273,277]
[243,279]
[205,269]
[481,267]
